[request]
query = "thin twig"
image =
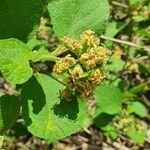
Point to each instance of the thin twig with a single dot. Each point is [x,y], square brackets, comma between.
[125,42]
[119,4]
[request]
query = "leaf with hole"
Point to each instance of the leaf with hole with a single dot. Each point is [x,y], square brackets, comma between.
[47,116]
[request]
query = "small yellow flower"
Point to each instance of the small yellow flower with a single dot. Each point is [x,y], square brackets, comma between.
[97,76]
[96,55]
[64,64]
[77,72]
[88,38]
[72,45]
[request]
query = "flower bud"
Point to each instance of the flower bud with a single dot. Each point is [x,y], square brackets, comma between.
[97,76]
[72,45]
[101,54]
[89,39]
[77,72]
[64,64]
[96,55]
[88,61]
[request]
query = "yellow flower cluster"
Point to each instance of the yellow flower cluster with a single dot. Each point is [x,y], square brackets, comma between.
[86,69]
[88,38]
[97,76]
[96,55]
[72,45]
[64,64]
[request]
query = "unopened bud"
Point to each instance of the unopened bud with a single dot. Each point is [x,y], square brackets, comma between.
[72,45]
[96,55]
[77,72]
[101,54]
[88,61]
[88,38]
[97,76]
[64,64]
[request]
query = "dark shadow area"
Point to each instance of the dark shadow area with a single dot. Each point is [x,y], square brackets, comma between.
[9,110]
[19,18]
[32,91]
[67,109]
[103,119]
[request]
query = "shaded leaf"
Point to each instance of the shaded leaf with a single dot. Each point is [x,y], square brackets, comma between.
[9,109]
[19,18]
[47,116]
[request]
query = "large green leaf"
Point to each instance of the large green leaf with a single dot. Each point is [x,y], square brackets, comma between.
[108,99]
[9,109]
[71,17]
[47,116]
[14,65]
[18,18]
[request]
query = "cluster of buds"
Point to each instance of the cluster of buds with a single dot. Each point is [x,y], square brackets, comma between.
[64,64]
[73,45]
[94,56]
[85,64]
[89,39]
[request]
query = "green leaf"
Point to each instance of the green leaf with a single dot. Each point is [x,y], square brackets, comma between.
[111,131]
[138,108]
[72,17]
[114,80]
[14,65]
[47,116]
[142,87]
[115,64]
[108,99]
[144,68]
[134,2]
[9,109]
[144,32]
[103,120]
[113,28]
[19,18]
[137,136]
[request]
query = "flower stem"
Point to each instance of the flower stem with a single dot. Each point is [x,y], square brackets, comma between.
[59,50]
[50,57]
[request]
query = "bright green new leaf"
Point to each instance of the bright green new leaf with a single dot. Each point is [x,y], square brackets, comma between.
[19,18]
[137,136]
[47,116]
[72,17]
[9,109]
[108,99]
[14,65]
[138,108]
